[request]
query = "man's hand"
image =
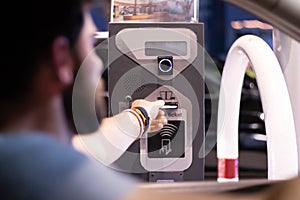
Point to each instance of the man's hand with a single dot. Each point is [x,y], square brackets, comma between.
[157,116]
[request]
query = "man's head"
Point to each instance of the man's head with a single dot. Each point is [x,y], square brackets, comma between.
[47,21]
[44,63]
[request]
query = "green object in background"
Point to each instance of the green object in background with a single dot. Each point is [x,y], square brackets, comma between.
[250,73]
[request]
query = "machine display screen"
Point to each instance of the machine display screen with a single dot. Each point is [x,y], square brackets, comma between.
[170,48]
[169,142]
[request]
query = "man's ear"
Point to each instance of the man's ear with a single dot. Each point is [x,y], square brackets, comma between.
[62,60]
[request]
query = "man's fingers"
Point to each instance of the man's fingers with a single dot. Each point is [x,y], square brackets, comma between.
[155,128]
[157,124]
[161,120]
[160,113]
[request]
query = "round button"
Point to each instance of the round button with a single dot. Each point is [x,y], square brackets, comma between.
[165,65]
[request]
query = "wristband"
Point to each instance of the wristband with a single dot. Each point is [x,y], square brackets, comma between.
[144,115]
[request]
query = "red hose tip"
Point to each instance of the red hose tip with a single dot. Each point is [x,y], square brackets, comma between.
[227,168]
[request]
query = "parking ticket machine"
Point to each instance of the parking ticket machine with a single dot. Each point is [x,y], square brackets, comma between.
[160,61]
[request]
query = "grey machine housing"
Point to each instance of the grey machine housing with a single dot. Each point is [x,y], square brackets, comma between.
[160,61]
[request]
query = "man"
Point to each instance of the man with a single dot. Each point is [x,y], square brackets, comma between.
[37,160]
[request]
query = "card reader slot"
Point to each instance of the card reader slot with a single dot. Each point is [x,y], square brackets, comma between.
[170,105]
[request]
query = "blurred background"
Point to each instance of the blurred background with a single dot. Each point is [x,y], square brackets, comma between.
[223,23]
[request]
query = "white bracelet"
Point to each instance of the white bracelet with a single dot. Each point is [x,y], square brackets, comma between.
[142,127]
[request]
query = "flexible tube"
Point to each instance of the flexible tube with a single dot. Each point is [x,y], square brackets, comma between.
[279,122]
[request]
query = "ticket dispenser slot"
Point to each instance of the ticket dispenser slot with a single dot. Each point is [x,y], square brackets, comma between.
[160,61]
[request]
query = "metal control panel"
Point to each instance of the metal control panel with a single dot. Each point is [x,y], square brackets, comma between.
[160,61]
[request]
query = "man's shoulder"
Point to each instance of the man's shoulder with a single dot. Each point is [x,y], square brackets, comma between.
[36,147]
[37,157]
[36,165]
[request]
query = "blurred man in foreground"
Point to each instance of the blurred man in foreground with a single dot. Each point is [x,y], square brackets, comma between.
[37,159]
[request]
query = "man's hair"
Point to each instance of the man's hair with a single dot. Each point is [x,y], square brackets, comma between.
[45,21]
